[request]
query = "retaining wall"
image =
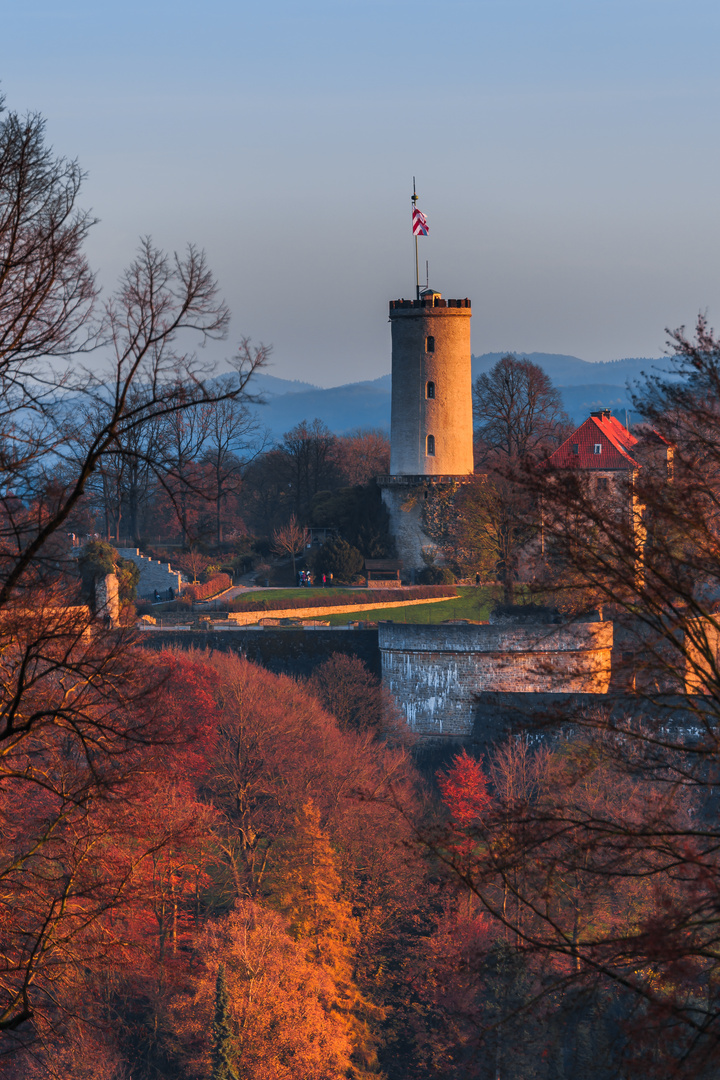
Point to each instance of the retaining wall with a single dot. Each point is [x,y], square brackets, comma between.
[436,673]
[283,650]
[153,573]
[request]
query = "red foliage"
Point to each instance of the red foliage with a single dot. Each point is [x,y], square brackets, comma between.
[464,790]
[215,585]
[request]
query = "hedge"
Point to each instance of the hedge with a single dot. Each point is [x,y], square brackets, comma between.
[215,585]
[376,597]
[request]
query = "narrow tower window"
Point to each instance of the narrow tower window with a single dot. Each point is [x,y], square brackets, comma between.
[430,344]
[431,445]
[430,390]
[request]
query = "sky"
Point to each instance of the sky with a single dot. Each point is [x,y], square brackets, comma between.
[566,155]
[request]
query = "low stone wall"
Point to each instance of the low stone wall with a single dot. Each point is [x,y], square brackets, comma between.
[436,673]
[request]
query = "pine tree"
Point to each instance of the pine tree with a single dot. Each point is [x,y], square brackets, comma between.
[221,1032]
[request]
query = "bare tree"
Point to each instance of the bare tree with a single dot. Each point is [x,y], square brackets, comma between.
[234,440]
[518,411]
[76,710]
[306,459]
[362,455]
[193,562]
[610,875]
[290,539]
[519,418]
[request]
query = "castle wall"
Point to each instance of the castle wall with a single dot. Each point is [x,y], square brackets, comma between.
[435,673]
[284,650]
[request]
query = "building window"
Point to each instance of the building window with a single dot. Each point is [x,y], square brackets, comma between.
[430,344]
[602,483]
[430,390]
[431,445]
[597,448]
[575,448]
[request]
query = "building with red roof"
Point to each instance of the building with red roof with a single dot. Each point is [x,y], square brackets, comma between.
[600,443]
[611,456]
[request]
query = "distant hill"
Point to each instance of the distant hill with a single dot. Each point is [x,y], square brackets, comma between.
[572,371]
[271,385]
[584,386]
[342,408]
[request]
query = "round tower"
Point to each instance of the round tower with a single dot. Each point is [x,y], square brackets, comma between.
[431,430]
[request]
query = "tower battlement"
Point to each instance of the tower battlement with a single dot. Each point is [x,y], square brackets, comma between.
[435,301]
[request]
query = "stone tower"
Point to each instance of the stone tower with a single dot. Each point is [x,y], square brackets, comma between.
[431,433]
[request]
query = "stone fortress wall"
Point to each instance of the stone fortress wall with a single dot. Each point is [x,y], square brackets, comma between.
[473,683]
[436,673]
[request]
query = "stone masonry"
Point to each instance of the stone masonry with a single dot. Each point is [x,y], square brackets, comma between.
[435,673]
[153,573]
[431,435]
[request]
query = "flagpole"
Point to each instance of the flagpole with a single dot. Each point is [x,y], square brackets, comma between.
[417,265]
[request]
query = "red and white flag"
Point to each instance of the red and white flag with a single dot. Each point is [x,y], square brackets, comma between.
[420,225]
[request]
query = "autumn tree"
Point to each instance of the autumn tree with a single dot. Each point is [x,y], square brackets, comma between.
[573,860]
[278,1003]
[351,693]
[305,886]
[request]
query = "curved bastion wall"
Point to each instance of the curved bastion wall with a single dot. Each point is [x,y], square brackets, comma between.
[435,673]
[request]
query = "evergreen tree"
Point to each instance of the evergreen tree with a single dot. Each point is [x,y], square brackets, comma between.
[221,1032]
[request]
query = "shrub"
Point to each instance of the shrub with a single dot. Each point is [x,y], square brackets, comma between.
[338,558]
[436,575]
[128,575]
[217,584]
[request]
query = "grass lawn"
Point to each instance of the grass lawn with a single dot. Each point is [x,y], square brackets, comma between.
[471,603]
[292,594]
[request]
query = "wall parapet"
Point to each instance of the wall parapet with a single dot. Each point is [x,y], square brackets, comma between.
[430,302]
[496,637]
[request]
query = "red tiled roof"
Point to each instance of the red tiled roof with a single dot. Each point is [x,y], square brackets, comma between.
[614,440]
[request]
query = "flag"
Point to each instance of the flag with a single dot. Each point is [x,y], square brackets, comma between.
[420,225]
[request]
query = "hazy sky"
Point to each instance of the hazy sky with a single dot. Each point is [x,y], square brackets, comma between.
[566,156]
